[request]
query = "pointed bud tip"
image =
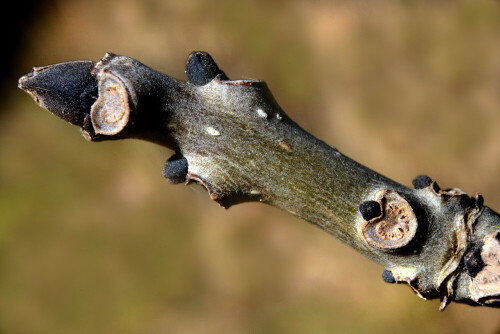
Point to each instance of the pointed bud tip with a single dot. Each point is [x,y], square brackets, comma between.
[59,88]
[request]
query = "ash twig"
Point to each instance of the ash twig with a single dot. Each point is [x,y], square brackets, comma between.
[233,138]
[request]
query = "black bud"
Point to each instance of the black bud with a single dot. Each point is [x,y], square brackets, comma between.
[201,68]
[88,96]
[388,277]
[175,169]
[370,210]
[59,88]
[473,261]
[421,182]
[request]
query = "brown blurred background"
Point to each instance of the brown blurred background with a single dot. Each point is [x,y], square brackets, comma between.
[93,240]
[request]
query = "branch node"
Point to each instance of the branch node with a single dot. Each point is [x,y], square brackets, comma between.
[395,228]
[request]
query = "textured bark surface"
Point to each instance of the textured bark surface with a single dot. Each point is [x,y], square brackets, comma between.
[233,138]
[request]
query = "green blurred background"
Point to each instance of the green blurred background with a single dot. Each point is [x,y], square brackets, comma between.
[93,240]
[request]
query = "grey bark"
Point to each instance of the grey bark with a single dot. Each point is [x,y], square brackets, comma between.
[233,138]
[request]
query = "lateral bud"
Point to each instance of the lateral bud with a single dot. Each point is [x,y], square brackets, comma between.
[201,68]
[421,182]
[388,277]
[175,169]
[370,210]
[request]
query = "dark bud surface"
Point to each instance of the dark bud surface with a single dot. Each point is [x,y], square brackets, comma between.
[370,210]
[201,68]
[388,277]
[67,89]
[175,169]
[421,182]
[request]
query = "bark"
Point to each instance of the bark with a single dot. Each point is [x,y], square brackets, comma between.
[233,138]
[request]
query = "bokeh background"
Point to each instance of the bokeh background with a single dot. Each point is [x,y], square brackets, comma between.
[93,240]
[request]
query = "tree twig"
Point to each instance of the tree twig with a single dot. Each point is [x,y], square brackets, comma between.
[233,138]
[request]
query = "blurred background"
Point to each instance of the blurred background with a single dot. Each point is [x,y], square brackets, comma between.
[93,240]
